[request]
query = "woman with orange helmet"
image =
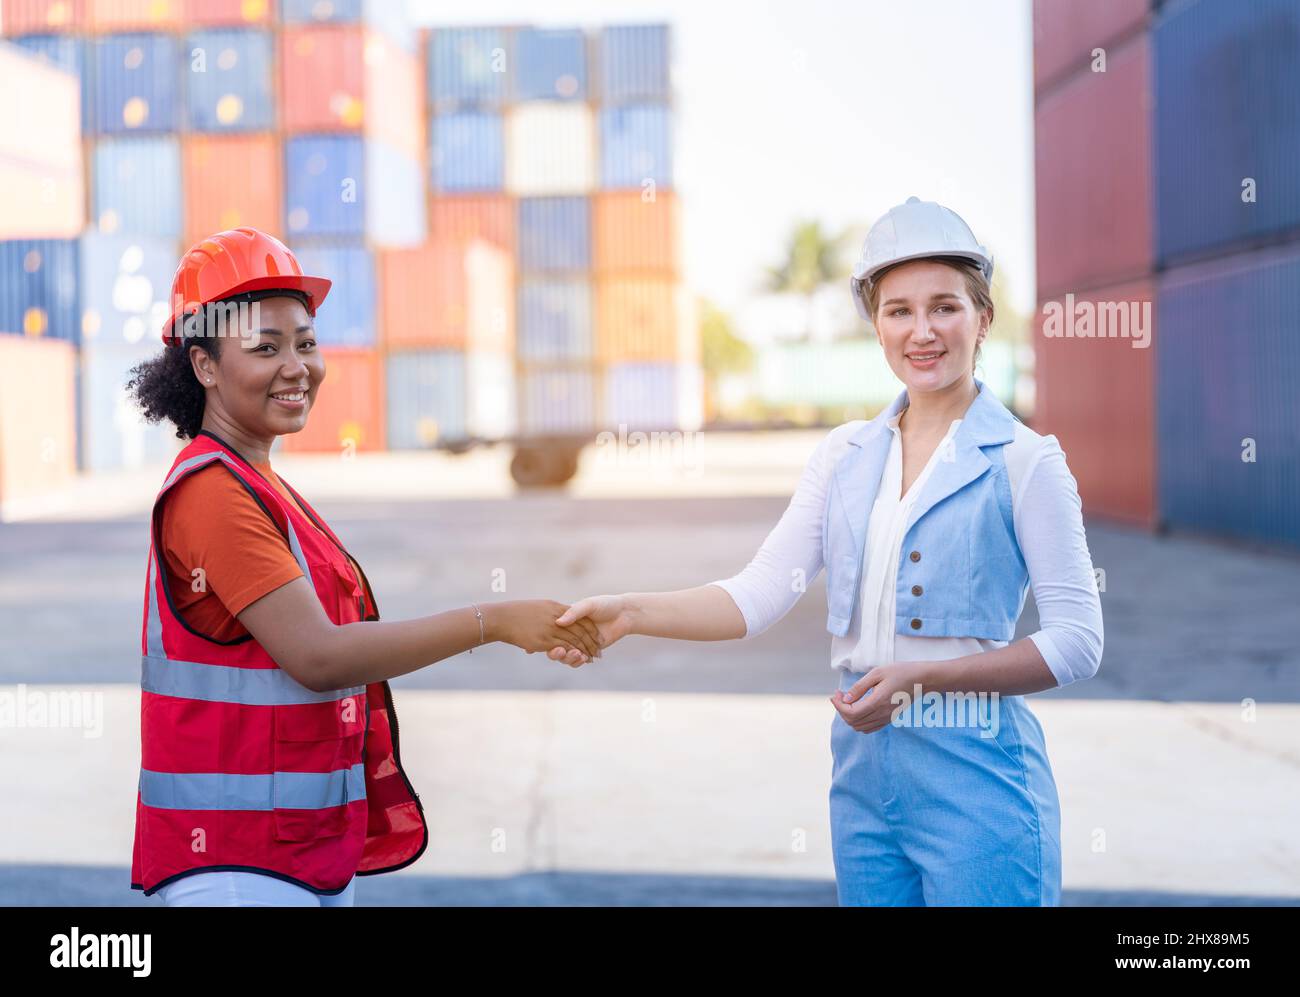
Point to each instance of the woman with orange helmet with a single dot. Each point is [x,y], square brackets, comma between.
[270,767]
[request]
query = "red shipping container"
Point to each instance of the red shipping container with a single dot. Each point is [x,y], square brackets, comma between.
[348,414]
[475,216]
[1097,394]
[1066,32]
[133,15]
[450,294]
[632,234]
[228,13]
[231,180]
[1093,176]
[39,17]
[38,416]
[347,78]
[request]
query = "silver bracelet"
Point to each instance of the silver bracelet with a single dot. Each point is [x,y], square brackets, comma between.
[482,635]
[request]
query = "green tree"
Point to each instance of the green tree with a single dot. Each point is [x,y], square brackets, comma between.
[722,351]
[812,257]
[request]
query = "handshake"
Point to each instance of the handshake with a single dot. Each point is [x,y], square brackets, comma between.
[573,634]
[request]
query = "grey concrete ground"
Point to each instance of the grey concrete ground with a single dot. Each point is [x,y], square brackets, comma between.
[1199,803]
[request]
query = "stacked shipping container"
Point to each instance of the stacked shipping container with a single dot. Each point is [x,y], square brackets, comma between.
[1166,142]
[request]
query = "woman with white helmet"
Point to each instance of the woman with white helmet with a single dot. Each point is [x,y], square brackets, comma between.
[931,520]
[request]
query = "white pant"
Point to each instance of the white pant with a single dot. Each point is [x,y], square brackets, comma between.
[246,889]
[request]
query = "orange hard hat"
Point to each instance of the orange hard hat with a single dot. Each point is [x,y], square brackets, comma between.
[233,262]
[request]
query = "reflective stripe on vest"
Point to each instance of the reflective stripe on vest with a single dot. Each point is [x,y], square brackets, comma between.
[277,791]
[224,684]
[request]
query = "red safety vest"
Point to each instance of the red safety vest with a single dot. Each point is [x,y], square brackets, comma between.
[241,766]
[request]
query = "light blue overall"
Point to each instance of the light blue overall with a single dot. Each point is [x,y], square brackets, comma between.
[937,814]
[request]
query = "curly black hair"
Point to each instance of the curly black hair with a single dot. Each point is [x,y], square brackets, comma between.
[164,386]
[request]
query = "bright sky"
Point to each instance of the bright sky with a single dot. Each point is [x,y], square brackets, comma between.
[829,110]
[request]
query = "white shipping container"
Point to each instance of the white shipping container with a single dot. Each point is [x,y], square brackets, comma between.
[550,148]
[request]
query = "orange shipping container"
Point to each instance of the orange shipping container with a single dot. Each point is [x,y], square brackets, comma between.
[448,293]
[228,13]
[349,78]
[38,414]
[475,216]
[643,318]
[635,235]
[34,17]
[231,180]
[348,414]
[1096,394]
[133,15]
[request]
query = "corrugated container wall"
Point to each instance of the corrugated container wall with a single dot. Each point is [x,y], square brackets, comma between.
[446,396]
[555,320]
[1065,34]
[448,294]
[382,15]
[467,67]
[38,288]
[232,180]
[636,146]
[137,83]
[650,396]
[554,234]
[1096,395]
[635,233]
[229,13]
[467,152]
[37,417]
[133,15]
[228,85]
[20,17]
[1229,411]
[550,148]
[68,53]
[112,431]
[634,63]
[639,318]
[125,288]
[1228,127]
[480,216]
[42,192]
[557,401]
[138,186]
[347,318]
[550,64]
[1093,175]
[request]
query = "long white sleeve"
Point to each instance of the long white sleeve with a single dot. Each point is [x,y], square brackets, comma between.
[791,556]
[1049,528]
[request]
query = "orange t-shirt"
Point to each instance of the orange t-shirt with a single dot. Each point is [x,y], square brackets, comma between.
[210,521]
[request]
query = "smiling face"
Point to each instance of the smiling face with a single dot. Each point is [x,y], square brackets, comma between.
[267,375]
[928,325]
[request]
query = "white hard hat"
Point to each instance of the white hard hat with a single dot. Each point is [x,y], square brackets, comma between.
[912,231]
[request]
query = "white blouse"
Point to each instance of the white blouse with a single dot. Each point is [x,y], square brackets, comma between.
[1047,515]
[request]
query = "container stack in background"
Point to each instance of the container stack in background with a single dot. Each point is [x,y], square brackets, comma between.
[351,91]
[41,210]
[550,170]
[1170,179]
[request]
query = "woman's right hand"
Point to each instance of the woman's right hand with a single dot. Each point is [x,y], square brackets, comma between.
[530,624]
[613,615]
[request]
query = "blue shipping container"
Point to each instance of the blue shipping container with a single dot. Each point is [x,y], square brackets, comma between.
[125,288]
[347,318]
[137,186]
[554,321]
[228,84]
[38,288]
[550,64]
[137,82]
[68,53]
[642,396]
[467,152]
[636,146]
[557,401]
[426,398]
[634,63]
[1227,110]
[1228,413]
[325,192]
[468,67]
[554,234]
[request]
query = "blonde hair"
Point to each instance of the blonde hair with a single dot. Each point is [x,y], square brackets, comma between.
[977,288]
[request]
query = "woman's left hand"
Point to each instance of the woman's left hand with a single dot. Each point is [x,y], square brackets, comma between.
[869,705]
